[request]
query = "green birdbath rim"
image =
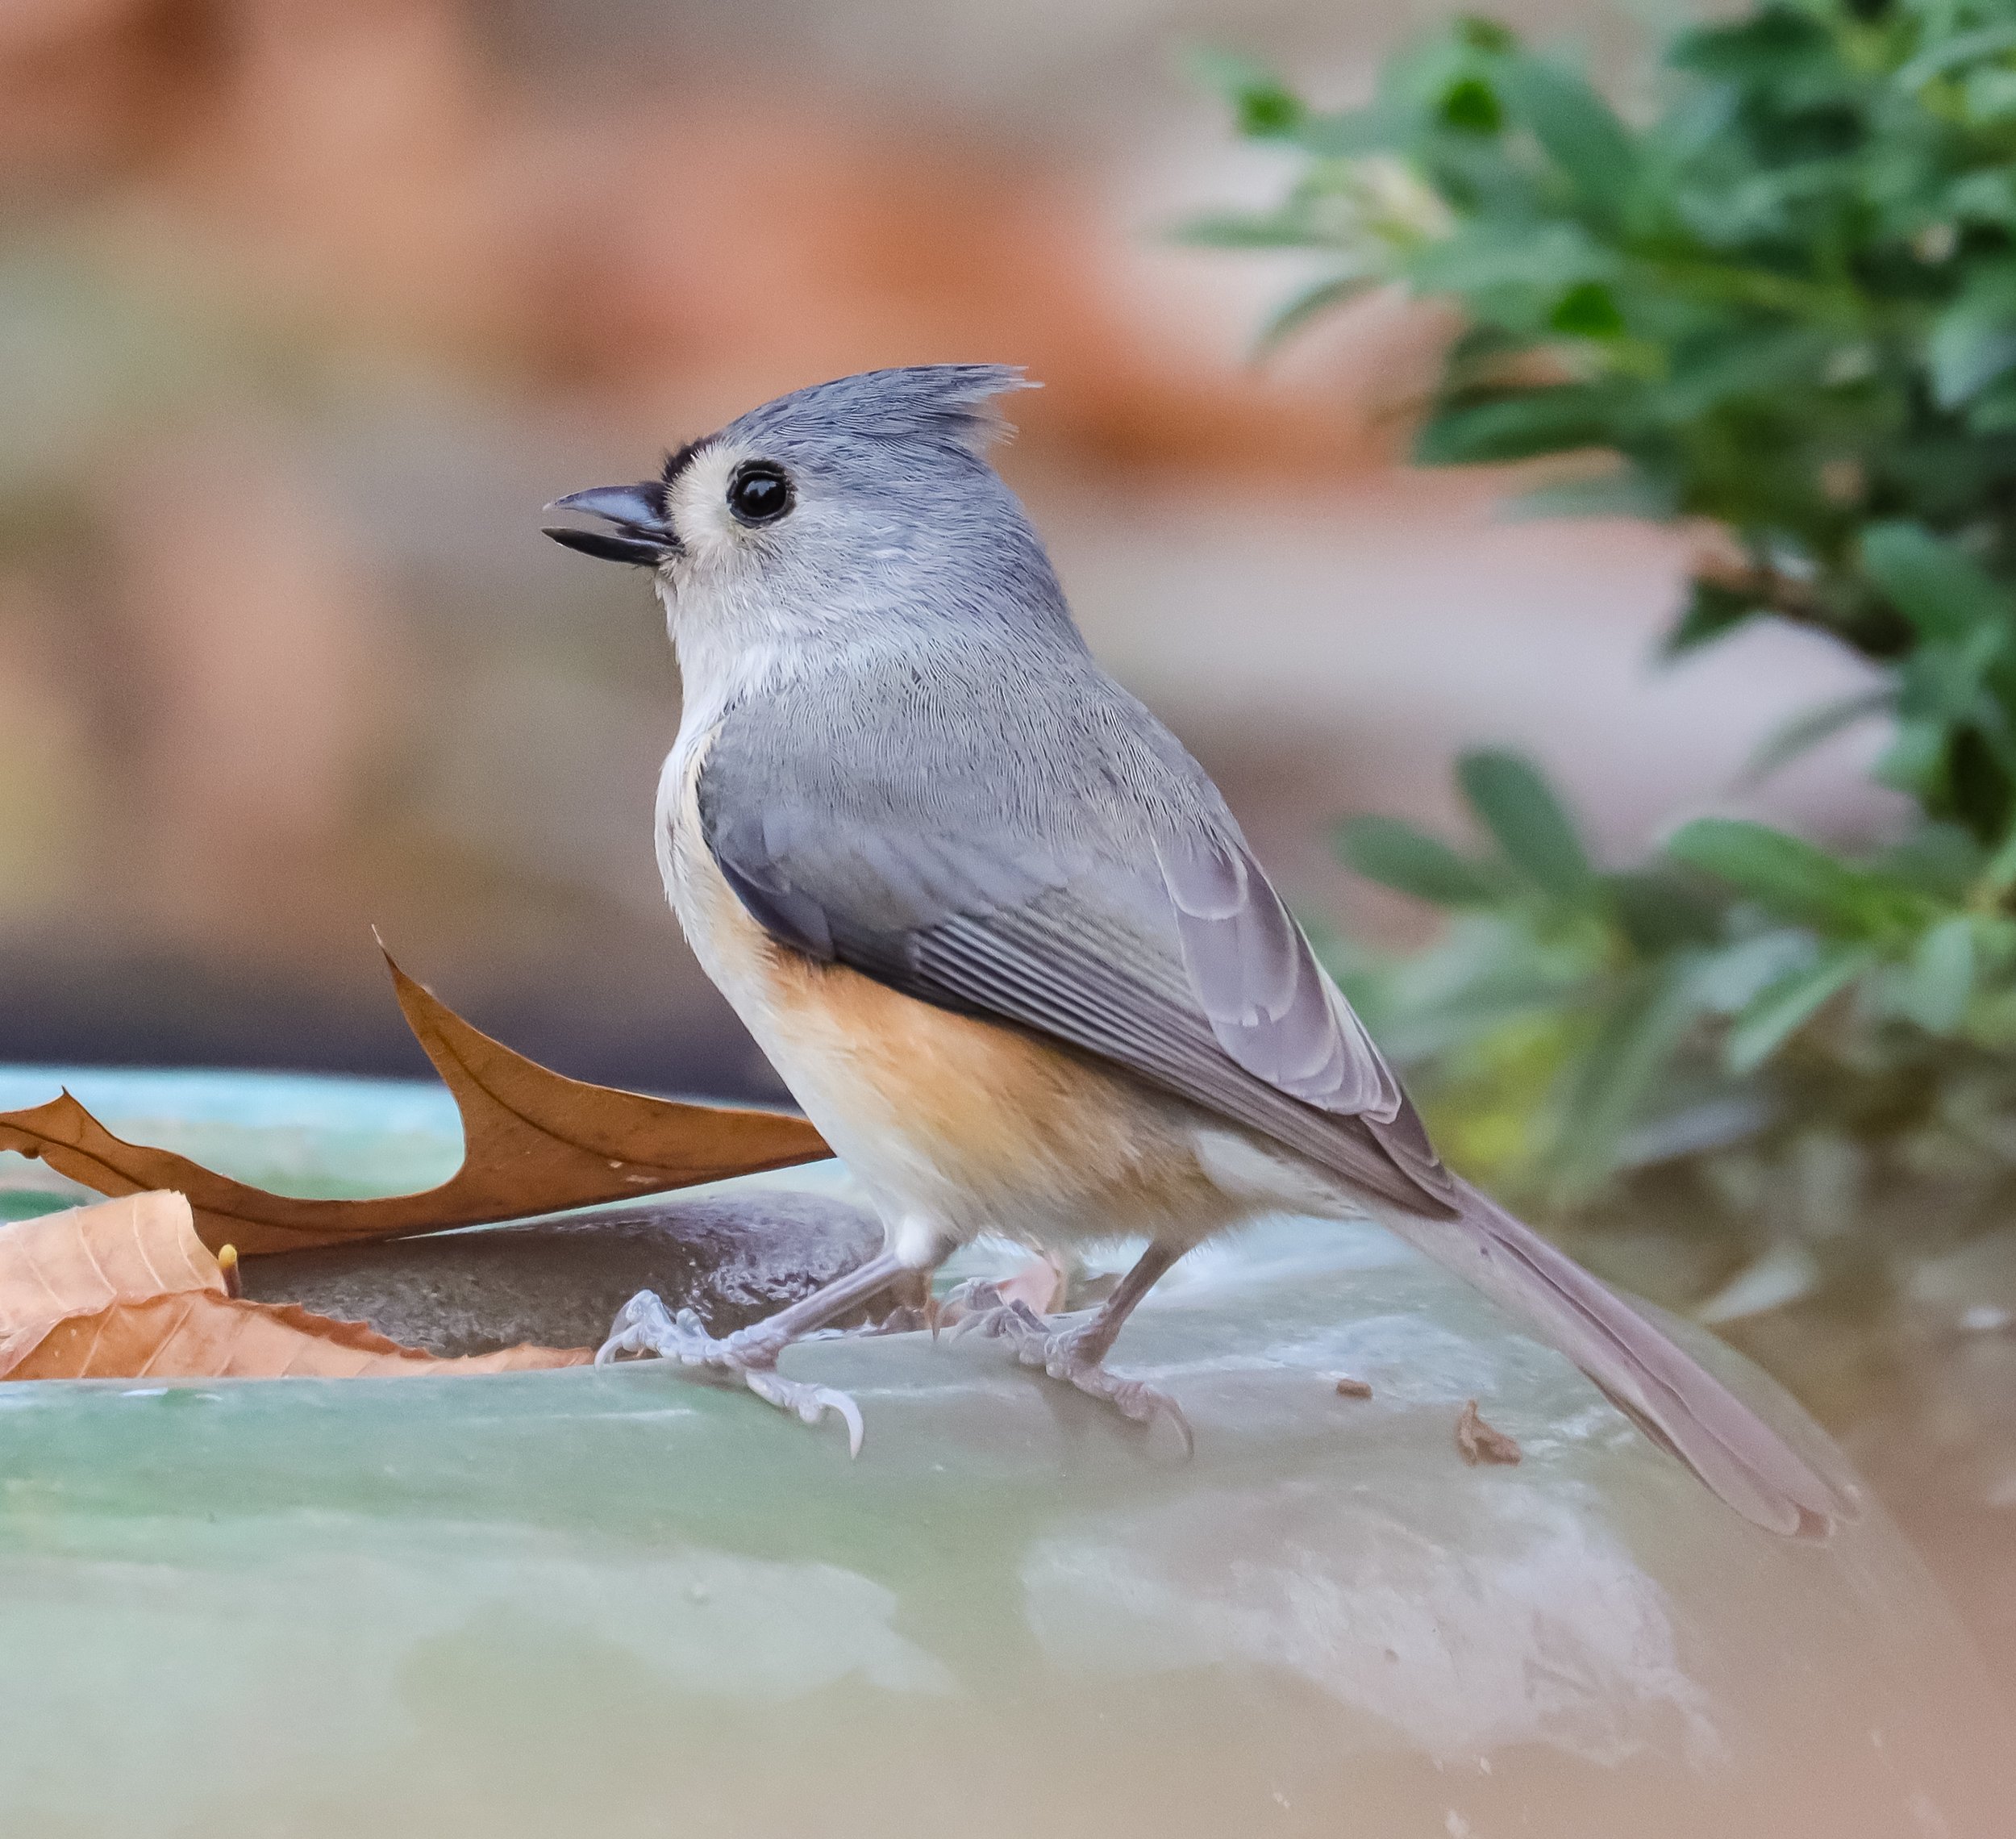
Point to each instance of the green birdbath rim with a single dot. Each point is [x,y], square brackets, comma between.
[631,1599]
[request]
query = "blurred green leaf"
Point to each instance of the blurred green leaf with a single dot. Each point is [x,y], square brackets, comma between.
[1713,611]
[1939,590]
[1732,979]
[1938,979]
[1811,729]
[1398,855]
[1579,130]
[1564,418]
[1471,105]
[1939,58]
[1482,34]
[1659,912]
[1973,341]
[1794,879]
[1263,106]
[1621,493]
[1776,44]
[1631,1052]
[1588,311]
[1915,760]
[1940,858]
[1231,230]
[1515,804]
[1993,410]
[1791,1003]
[1547,259]
[1299,309]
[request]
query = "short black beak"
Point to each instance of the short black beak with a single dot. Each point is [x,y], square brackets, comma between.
[642,534]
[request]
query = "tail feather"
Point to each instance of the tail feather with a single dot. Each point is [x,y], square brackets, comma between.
[1664,1390]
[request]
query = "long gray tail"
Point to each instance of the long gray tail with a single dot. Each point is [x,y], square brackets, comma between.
[1665,1391]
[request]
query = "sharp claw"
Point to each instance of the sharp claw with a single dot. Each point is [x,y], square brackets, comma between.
[1138,1400]
[852,1413]
[807,1404]
[1161,1404]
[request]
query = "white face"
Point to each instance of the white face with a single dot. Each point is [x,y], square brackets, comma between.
[769,555]
[735,510]
[736,591]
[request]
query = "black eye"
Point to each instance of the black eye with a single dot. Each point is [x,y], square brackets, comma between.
[759,493]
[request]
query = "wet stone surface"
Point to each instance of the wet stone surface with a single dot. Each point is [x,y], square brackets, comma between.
[733,1259]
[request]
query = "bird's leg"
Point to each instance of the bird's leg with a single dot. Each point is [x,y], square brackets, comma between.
[1078,1353]
[644,1325]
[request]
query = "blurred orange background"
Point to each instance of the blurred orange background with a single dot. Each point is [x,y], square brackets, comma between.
[307,309]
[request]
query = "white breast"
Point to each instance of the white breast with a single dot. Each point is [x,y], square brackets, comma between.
[716,926]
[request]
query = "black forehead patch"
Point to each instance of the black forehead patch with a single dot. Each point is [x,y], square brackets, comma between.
[676,463]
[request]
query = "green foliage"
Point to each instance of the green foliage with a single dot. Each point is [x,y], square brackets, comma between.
[1785,301]
[1708,1029]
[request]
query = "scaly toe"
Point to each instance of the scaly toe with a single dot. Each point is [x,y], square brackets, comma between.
[1133,1399]
[644,1325]
[969,1306]
[1017,1324]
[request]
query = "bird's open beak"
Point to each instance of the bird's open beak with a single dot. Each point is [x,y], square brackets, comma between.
[641,535]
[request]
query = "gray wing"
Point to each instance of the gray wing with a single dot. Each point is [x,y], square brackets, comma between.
[1169,954]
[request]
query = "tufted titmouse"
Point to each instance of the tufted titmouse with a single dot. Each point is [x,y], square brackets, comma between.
[998,931]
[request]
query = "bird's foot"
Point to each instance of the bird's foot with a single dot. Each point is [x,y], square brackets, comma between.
[1064,1354]
[645,1326]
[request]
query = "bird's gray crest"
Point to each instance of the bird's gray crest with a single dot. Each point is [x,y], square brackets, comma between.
[936,405]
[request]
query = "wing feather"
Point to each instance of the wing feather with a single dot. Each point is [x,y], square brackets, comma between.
[1195,977]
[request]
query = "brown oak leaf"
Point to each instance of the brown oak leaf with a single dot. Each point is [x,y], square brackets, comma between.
[534,1142]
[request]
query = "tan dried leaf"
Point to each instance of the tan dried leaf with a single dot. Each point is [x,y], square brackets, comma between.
[125,1290]
[534,1142]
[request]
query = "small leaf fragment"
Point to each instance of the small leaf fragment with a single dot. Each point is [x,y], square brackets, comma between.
[1477,1441]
